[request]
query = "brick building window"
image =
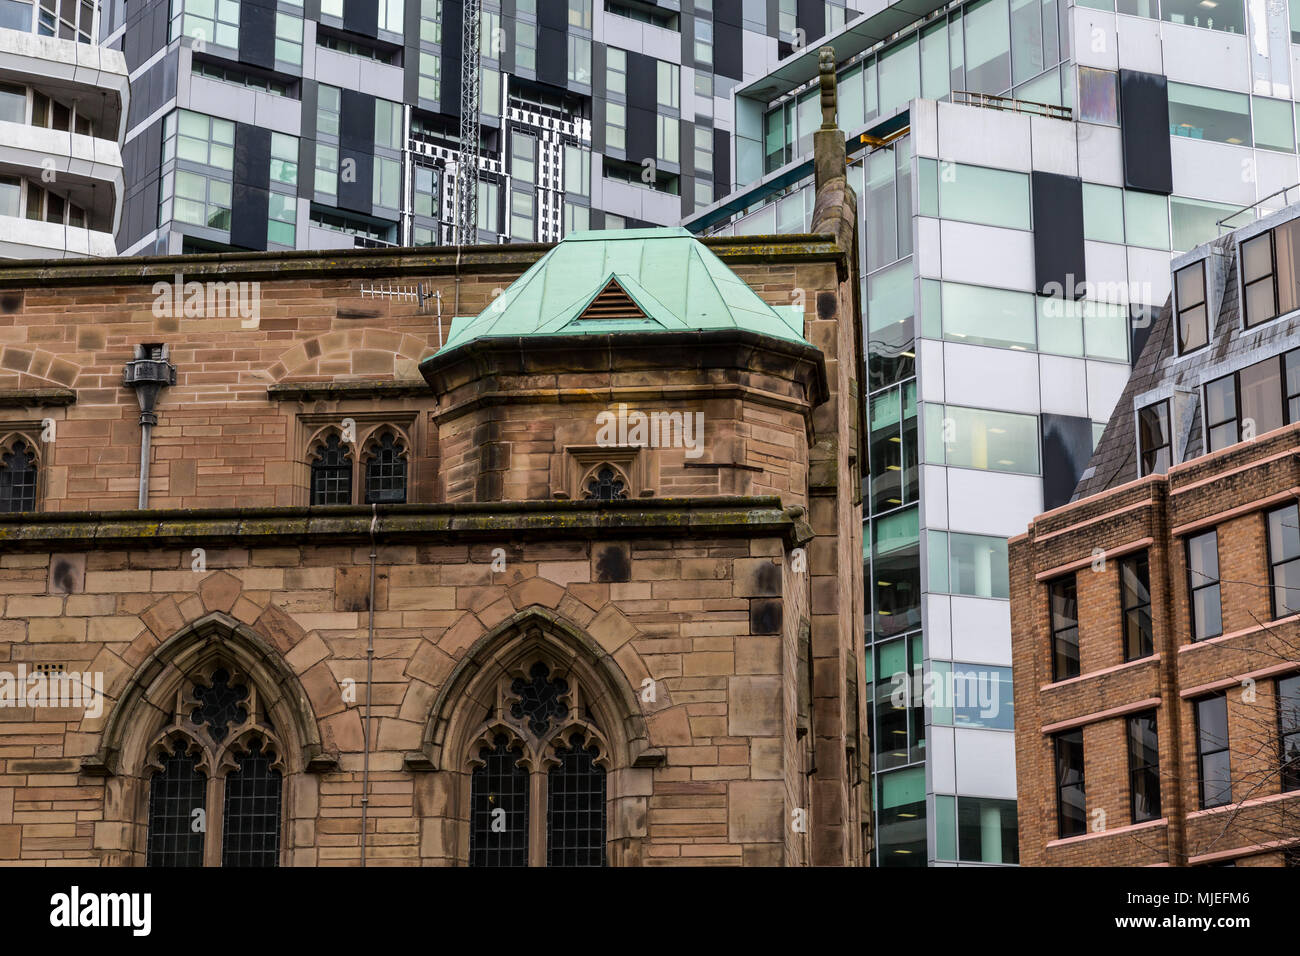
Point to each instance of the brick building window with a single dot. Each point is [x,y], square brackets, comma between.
[331,473]
[1143,767]
[539,771]
[1071,801]
[1135,605]
[1153,438]
[18,473]
[215,794]
[1212,757]
[1288,730]
[1284,560]
[386,471]
[1063,596]
[1203,583]
[1193,321]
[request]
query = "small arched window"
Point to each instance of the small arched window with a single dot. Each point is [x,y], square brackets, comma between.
[606,484]
[18,478]
[331,474]
[386,471]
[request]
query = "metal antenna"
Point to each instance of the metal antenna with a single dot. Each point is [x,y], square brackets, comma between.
[467,174]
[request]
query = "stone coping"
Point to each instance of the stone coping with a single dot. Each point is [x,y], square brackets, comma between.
[415,262]
[733,516]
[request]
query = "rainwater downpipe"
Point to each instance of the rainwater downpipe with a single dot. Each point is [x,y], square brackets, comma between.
[148,374]
[370,666]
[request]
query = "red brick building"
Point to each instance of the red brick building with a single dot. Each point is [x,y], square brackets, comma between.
[1156,618]
[394,595]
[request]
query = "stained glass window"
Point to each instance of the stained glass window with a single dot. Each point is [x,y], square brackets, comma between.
[331,474]
[539,699]
[250,833]
[176,831]
[220,705]
[498,826]
[575,809]
[606,485]
[386,472]
[18,479]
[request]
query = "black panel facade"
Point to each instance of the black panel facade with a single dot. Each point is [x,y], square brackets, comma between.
[1144,131]
[252,176]
[257,34]
[553,43]
[721,163]
[728,38]
[452,23]
[1067,446]
[642,106]
[1058,235]
[361,16]
[356,151]
[810,17]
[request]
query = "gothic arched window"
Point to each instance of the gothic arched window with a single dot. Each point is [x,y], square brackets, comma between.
[606,484]
[18,478]
[175,811]
[498,825]
[386,471]
[575,809]
[539,769]
[331,474]
[216,794]
[250,832]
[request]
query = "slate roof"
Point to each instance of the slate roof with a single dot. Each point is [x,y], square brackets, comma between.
[675,281]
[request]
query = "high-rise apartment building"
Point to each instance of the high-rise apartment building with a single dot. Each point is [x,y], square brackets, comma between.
[1154,619]
[63,107]
[1026,170]
[281,124]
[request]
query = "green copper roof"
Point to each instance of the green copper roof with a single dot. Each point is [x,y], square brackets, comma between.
[675,280]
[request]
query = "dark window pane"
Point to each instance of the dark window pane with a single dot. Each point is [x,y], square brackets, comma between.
[174,796]
[1221,400]
[1153,438]
[606,485]
[386,472]
[1144,767]
[18,479]
[331,474]
[575,808]
[1071,800]
[1288,725]
[498,801]
[1063,598]
[1135,602]
[1256,258]
[986,830]
[250,833]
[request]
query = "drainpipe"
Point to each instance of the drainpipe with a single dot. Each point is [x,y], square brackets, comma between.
[370,666]
[148,374]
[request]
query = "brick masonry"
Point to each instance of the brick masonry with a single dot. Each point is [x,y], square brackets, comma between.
[1230,491]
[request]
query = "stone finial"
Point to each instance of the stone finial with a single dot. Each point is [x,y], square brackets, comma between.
[826,67]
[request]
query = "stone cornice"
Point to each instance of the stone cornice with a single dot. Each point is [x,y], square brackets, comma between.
[36,397]
[759,516]
[414,263]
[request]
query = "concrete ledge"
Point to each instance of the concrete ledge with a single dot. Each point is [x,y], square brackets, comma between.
[748,517]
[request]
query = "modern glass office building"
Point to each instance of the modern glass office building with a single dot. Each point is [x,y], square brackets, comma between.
[1025,170]
[63,104]
[280,124]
